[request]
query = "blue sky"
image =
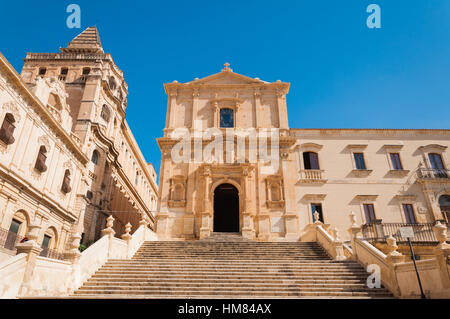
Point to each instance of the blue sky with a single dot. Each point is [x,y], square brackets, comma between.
[342,74]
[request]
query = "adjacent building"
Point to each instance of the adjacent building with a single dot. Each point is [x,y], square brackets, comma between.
[68,157]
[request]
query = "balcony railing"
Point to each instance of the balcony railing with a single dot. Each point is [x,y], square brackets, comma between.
[312,175]
[430,173]
[378,232]
[50,253]
[8,239]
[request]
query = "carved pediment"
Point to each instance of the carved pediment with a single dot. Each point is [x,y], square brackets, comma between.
[229,77]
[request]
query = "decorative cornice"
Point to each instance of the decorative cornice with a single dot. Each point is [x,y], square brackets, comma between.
[366,197]
[318,197]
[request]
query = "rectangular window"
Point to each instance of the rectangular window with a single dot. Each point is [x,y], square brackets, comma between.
[15,225]
[46,241]
[311,160]
[317,208]
[359,161]
[369,212]
[409,213]
[12,234]
[396,163]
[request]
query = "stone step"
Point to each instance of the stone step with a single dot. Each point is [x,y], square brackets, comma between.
[305,295]
[231,272]
[230,266]
[149,280]
[227,291]
[175,268]
[158,261]
[231,284]
[229,256]
[267,276]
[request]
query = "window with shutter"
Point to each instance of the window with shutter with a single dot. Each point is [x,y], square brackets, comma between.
[66,182]
[105,114]
[40,161]
[7,129]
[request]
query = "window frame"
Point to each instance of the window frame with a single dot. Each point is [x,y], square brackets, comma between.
[363,160]
[321,214]
[310,162]
[369,204]
[233,112]
[398,161]
[413,212]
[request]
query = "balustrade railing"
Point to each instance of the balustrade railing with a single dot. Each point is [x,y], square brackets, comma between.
[430,173]
[311,174]
[51,253]
[378,232]
[9,239]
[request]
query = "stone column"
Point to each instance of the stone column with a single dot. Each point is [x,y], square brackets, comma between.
[195,97]
[171,109]
[248,229]
[32,249]
[257,96]
[282,110]
[205,230]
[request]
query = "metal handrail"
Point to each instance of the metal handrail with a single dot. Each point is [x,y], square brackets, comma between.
[380,231]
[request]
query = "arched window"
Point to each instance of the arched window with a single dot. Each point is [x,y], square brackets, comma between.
[42,71]
[64,71]
[94,158]
[226,118]
[41,158]
[311,160]
[106,113]
[7,129]
[66,182]
[86,71]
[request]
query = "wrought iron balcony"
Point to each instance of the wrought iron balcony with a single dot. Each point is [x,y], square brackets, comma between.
[430,173]
[378,232]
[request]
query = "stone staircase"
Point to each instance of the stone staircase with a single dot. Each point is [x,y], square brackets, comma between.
[228,266]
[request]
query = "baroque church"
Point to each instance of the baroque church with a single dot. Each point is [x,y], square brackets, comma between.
[382,175]
[240,195]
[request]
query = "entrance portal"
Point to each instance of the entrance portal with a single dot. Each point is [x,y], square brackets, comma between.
[226,209]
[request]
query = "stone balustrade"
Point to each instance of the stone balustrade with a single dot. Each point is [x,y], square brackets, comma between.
[27,274]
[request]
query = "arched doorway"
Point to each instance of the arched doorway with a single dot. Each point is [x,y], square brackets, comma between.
[444,203]
[226,208]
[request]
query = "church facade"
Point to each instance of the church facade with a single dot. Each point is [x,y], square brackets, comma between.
[231,163]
